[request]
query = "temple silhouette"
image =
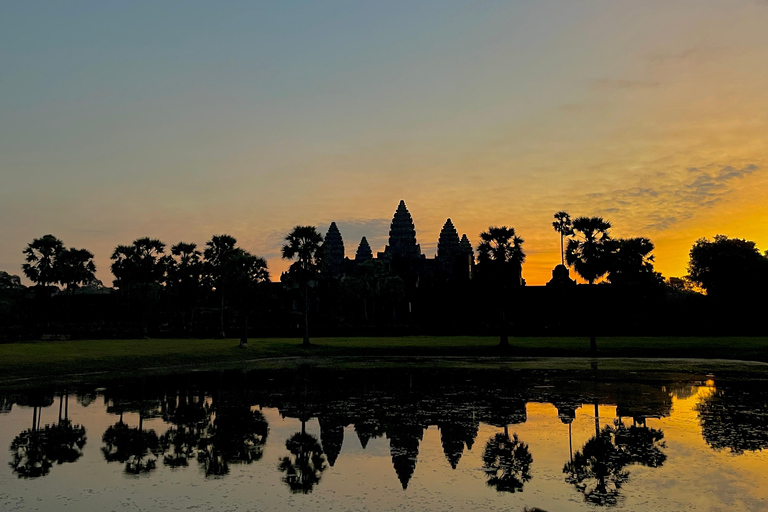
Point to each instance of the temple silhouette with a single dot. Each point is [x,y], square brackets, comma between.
[402,255]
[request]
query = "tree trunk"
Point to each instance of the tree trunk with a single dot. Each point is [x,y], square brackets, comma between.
[221,333]
[562,252]
[305,341]
[244,335]
[597,419]
[503,336]
[69,294]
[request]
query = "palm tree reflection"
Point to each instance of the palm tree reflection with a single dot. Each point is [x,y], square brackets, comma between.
[507,462]
[599,471]
[235,436]
[35,450]
[303,471]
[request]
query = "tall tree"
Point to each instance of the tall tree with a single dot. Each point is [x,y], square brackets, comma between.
[564,226]
[142,262]
[303,245]
[591,248]
[728,268]
[590,251]
[244,274]
[41,255]
[500,261]
[184,276]
[75,268]
[139,271]
[219,250]
[632,263]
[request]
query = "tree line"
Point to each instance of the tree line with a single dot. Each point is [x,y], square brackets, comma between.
[227,279]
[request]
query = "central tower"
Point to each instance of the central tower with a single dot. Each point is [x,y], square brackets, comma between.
[402,236]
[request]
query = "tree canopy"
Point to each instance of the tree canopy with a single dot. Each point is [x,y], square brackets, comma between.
[727,267]
[40,256]
[590,249]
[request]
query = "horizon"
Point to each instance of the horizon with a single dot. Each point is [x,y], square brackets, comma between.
[179,123]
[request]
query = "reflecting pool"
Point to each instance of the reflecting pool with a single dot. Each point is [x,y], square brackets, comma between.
[387,439]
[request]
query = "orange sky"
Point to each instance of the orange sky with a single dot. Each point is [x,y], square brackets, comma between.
[248,120]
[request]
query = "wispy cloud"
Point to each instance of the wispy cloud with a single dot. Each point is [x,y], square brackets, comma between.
[613,84]
[661,207]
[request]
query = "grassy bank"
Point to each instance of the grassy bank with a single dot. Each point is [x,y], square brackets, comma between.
[54,359]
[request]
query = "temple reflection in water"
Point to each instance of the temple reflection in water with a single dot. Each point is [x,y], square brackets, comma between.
[221,420]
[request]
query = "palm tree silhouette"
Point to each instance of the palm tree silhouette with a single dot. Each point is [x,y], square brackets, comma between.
[590,253]
[218,251]
[303,244]
[76,268]
[500,259]
[590,250]
[564,226]
[41,255]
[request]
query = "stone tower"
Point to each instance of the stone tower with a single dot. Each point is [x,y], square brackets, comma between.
[402,236]
[364,252]
[468,253]
[466,247]
[448,245]
[333,250]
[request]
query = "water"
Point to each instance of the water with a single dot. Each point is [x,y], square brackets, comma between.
[388,439]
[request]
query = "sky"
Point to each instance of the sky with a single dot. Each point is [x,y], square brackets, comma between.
[181,120]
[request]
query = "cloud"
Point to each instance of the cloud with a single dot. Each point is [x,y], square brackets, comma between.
[613,84]
[661,207]
[693,55]
[352,230]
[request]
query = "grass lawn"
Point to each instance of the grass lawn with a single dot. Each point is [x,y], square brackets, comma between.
[54,359]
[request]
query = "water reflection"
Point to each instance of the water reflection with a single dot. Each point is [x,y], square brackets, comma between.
[235,435]
[735,419]
[35,450]
[135,447]
[507,462]
[215,421]
[599,471]
[306,463]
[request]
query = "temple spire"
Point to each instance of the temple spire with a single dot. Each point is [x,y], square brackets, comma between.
[402,235]
[364,252]
[448,245]
[466,247]
[333,249]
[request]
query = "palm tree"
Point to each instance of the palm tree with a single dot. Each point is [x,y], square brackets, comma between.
[140,269]
[40,266]
[244,272]
[591,253]
[590,250]
[218,251]
[564,226]
[500,260]
[303,244]
[185,269]
[633,263]
[41,255]
[75,268]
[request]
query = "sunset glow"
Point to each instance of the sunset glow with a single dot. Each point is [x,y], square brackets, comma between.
[181,121]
